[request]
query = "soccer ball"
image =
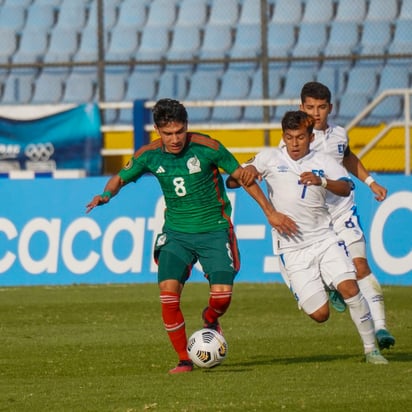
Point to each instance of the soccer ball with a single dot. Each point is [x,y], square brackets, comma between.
[207,348]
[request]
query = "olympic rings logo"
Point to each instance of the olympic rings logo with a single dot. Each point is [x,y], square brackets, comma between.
[39,151]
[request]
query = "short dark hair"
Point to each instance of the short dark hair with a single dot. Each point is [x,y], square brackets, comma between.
[169,110]
[315,90]
[294,120]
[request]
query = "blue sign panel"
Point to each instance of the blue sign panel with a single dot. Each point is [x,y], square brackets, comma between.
[46,238]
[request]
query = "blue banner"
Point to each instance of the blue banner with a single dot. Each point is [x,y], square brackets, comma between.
[67,140]
[47,239]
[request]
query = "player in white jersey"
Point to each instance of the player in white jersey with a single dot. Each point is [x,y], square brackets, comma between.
[333,140]
[298,180]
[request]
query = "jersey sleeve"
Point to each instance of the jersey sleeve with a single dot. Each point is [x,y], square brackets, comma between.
[133,169]
[226,160]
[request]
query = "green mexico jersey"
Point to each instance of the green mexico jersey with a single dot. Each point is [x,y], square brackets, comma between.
[193,188]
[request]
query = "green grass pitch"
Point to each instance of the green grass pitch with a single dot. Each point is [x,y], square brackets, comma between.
[103,348]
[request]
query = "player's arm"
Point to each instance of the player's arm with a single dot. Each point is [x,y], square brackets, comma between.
[340,187]
[248,175]
[354,165]
[113,186]
[281,222]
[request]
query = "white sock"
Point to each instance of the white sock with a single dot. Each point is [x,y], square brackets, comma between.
[372,291]
[361,316]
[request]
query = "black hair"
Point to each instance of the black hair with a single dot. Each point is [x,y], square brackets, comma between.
[169,110]
[315,90]
[294,120]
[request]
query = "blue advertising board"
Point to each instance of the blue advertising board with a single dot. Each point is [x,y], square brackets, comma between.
[46,238]
[70,139]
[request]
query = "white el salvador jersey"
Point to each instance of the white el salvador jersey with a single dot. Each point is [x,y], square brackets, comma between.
[305,204]
[334,141]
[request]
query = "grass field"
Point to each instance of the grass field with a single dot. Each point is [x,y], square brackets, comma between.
[103,348]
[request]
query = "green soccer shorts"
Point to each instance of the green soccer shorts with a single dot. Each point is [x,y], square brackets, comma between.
[217,252]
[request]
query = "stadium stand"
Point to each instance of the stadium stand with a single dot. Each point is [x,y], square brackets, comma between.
[343,39]
[200,36]
[12,17]
[287,11]
[318,11]
[192,13]
[33,46]
[311,41]
[63,45]
[8,44]
[351,10]
[382,10]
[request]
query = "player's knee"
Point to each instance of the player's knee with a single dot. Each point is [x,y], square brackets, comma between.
[321,315]
[362,267]
[348,288]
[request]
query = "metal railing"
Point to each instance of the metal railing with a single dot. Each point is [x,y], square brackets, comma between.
[406,123]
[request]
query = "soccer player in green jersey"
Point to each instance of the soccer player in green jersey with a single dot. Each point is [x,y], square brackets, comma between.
[197,223]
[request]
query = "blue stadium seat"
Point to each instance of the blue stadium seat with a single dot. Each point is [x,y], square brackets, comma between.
[88,45]
[343,39]
[33,46]
[375,37]
[186,42]
[133,14]
[40,17]
[192,13]
[226,14]
[80,86]
[281,39]
[362,80]
[217,41]
[235,85]
[48,87]
[54,3]
[19,86]
[17,3]
[392,76]
[254,113]
[318,11]
[155,42]
[8,44]
[250,12]
[349,106]
[174,84]
[405,12]
[198,91]
[109,14]
[162,13]
[12,17]
[332,76]
[63,45]
[72,16]
[295,78]
[123,43]
[402,38]
[382,10]
[142,84]
[351,10]
[287,11]
[115,84]
[311,41]
[247,43]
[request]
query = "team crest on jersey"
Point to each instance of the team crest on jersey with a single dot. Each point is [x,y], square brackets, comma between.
[193,164]
[129,164]
[161,240]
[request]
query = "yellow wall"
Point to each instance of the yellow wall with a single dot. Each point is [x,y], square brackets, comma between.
[387,156]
